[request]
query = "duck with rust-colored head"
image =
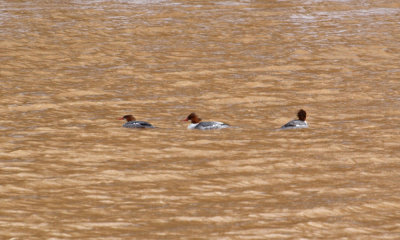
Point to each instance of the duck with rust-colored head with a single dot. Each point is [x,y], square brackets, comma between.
[196,123]
[298,123]
[132,123]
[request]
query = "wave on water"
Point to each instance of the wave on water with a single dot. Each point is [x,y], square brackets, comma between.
[127,1]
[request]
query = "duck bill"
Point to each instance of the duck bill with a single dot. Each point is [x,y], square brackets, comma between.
[185,120]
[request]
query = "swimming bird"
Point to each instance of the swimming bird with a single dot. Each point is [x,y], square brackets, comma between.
[299,123]
[132,123]
[196,123]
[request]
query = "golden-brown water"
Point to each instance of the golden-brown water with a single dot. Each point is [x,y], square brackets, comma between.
[69,69]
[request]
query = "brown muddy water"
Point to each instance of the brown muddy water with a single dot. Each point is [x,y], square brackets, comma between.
[69,69]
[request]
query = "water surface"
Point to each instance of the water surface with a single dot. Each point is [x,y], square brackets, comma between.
[69,69]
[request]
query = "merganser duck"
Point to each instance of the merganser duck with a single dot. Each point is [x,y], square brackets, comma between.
[197,124]
[132,123]
[300,123]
